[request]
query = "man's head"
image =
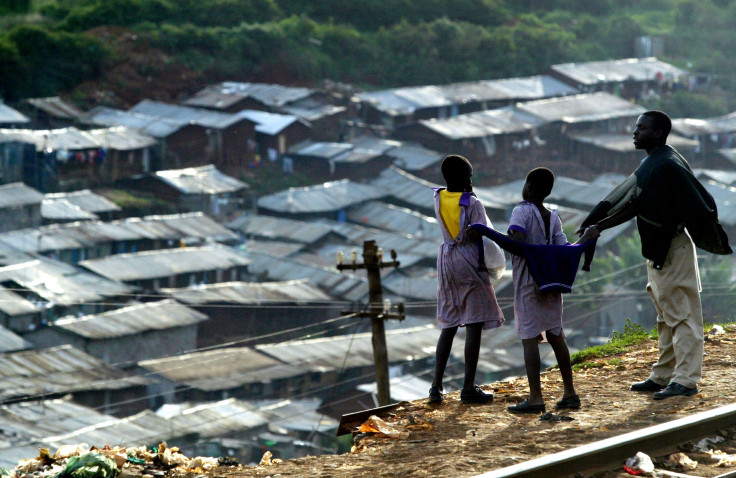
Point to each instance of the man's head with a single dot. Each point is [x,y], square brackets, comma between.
[652,129]
[457,172]
[538,185]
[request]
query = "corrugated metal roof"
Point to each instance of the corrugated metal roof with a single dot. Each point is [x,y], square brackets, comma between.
[61,283]
[131,320]
[201,180]
[728,153]
[10,115]
[274,248]
[636,69]
[294,291]
[338,284]
[622,143]
[405,388]
[56,370]
[529,88]
[406,187]
[420,287]
[87,200]
[394,218]
[18,194]
[76,235]
[117,431]
[64,138]
[399,241]
[366,148]
[63,210]
[256,225]
[405,101]
[725,197]
[10,341]
[325,150]
[156,127]
[328,197]
[56,107]
[579,108]
[328,353]
[727,178]
[121,138]
[187,114]
[215,419]
[165,262]
[483,123]
[13,304]
[220,369]
[310,110]
[268,123]
[44,418]
[707,126]
[227,93]
[414,157]
[296,415]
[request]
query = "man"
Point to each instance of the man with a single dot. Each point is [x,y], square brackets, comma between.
[673,210]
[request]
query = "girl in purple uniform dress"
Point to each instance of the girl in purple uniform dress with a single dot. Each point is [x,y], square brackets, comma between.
[539,314]
[465,297]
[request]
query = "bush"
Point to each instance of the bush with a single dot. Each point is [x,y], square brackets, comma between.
[49,62]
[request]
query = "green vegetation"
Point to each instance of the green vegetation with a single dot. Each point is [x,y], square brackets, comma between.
[631,334]
[370,43]
[138,204]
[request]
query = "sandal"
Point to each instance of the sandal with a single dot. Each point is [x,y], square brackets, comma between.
[526,407]
[573,401]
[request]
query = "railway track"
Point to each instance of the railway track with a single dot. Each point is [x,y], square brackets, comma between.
[611,453]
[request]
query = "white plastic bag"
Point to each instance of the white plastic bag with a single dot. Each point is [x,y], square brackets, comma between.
[493,255]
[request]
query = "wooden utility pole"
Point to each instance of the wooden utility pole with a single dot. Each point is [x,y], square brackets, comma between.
[377,310]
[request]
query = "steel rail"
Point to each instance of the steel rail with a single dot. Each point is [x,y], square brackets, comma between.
[612,452]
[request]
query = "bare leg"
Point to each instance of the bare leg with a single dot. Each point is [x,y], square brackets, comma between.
[472,350]
[533,367]
[559,346]
[442,354]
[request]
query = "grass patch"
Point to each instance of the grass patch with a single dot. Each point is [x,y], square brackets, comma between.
[631,334]
[137,204]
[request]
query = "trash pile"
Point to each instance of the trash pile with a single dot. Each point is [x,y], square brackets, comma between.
[642,465]
[83,461]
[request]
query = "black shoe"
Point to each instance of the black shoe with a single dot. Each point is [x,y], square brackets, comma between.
[475,395]
[674,390]
[646,386]
[573,401]
[526,407]
[435,395]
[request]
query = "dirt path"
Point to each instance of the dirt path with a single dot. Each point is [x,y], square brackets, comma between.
[459,440]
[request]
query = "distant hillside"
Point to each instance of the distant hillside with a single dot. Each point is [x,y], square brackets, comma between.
[119,51]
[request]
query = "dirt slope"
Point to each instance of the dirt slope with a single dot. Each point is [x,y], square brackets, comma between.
[459,440]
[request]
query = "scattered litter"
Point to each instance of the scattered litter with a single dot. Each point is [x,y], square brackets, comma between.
[724,459]
[375,424]
[639,464]
[553,417]
[91,465]
[83,461]
[716,330]
[267,461]
[704,446]
[205,463]
[681,460]
[68,451]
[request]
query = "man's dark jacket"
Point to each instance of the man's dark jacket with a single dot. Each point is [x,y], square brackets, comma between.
[664,196]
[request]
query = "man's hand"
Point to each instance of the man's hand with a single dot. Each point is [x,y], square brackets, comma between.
[591,232]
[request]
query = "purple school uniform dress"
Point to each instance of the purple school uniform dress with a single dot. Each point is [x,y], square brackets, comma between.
[464,294]
[534,311]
